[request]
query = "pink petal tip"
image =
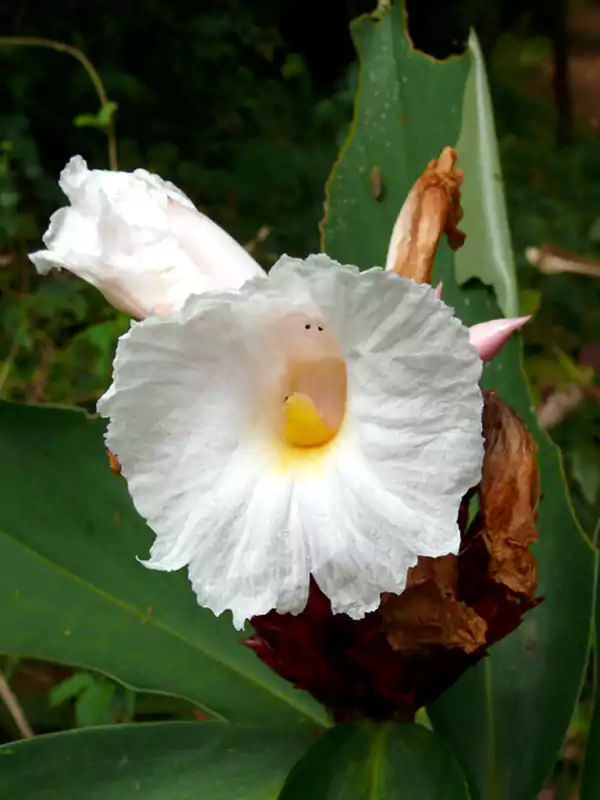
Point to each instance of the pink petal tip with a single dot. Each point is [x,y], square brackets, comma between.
[488,338]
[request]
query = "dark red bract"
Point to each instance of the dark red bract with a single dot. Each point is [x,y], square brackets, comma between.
[351,666]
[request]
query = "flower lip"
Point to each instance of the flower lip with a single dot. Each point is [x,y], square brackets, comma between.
[303,424]
[315,401]
[314,383]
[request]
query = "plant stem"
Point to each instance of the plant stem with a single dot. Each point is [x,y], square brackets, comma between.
[14,709]
[60,47]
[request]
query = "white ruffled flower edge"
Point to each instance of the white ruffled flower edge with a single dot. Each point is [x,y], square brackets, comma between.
[186,429]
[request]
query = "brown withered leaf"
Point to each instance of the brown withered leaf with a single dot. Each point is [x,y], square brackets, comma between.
[509,496]
[431,208]
[468,601]
[428,613]
[113,463]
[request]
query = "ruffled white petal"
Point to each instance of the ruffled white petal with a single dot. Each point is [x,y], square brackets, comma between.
[188,421]
[139,240]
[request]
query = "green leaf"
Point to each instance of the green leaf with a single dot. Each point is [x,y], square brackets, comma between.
[70,688]
[590,775]
[100,120]
[72,591]
[585,466]
[399,93]
[376,762]
[506,718]
[402,91]
[107,112]
[93,695]
[164,761]
[94,705]
[530,301]
[487,253]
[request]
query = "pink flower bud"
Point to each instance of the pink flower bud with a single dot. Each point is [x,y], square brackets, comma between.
[488,338]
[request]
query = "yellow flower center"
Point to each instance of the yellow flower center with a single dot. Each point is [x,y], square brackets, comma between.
[314,405]
[303,425]
[310,402]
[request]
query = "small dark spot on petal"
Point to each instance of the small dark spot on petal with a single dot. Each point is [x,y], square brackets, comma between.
[307,326]
[319,327]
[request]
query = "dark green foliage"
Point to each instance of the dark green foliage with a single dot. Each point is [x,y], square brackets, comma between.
[214,100]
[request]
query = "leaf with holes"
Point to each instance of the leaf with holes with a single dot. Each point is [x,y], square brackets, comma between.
[506,718]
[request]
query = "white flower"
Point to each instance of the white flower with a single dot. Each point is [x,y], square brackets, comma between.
[320,421]
[139,240]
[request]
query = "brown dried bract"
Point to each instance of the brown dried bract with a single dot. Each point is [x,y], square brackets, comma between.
[432,208]
[467,602]
[509,497]
[428,613]
[113,462]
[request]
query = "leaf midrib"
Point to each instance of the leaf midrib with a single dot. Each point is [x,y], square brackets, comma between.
[376,762]
[320,720]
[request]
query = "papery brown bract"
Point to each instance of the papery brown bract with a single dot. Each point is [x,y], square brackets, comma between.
[429,613]
[510,489]
[499,578]
[417,644]
[431,209]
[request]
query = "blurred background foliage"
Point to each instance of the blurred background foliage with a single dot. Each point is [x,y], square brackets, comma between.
[244,106]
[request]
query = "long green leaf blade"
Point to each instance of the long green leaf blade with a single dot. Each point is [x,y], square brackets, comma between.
[164,761]
[487,253]
[72,591]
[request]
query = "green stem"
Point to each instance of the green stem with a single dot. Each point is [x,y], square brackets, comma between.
[60,47]
[7,365]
